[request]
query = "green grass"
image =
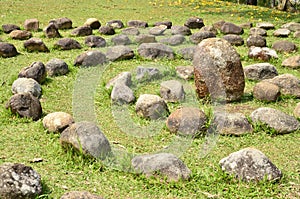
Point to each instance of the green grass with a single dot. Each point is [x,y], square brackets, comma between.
[22,140]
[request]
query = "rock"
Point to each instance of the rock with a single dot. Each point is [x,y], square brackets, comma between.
[31,24]
[120,52]
[19,181]
[35,44]
[25,105]
[166,23]
[209,29]
[187,52]
[165,164]
[7,50]
[266,91]
[123,78]
[90,58]
[131,31]
[282,32]
[194,22]
[7,28]
[235,40]
[258,41]
[185,72]
[26,85]
[172,91]
[57,121]
[281,122]
[121,39]
[173,40]
[292,62]
[297,34]
[284,46]
[143,38]
[199,36]
[231,124]
[137,24]
[180,30]
[56,67]
[82,31]
[187,121]
[93,23]
[158,30]
[107,30]
[265,25]
[122,94]
[62,23]
[116,24]
[95,41]
[67,44]
[288,84]
[218,70]
[80,195]
[260,71]
[86,138]
[155,51]
[151,107]
[230,28]
[217,25]
[36,71]
[250,164]
[20,34]
[297,110]
[257,31]
[292,26]
[262,53]
[246,25]
[147,73]
[51,31]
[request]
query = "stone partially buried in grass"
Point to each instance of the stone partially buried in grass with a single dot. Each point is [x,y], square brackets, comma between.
[19,181]
[250,164]
[86,138]
[7,50]
[281,122]
[165,164]
[57,121]
[25,105]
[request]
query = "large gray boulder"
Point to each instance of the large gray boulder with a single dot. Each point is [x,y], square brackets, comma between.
[187,121]
[26,85]
[151,107]
[155,51]
[260,71]
[218,70]
[19,181]
[86,138]
[25,105]
[250,164]
[281,122]
[166,164]
[36,71]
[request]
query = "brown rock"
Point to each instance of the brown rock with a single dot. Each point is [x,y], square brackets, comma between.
[265,91]
[80,195]
[57,121]
[31,24]
[292,62]
[20,34]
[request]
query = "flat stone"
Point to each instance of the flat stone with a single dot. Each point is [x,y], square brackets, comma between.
[115,23]
[107,30]
[165,164]
[166,23]
[155,51]
[121,39]
[158,30]
[235,40]
[281,122]
[20,34]
[260,71]
[265,25]
[7,28]
[131,31]
[230,28]
[62,23]
[282,32]
[174,40]
[120,52]
[180,30]
[284,46]
[144,38]
[197,37]
[137,24]
[292,62]
[262,53]
[296,34]
[258,31]
[292,26]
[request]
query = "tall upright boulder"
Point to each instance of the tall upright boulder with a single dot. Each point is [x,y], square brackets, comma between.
[218,70]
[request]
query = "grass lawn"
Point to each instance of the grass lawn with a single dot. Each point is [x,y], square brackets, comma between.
[22,140]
